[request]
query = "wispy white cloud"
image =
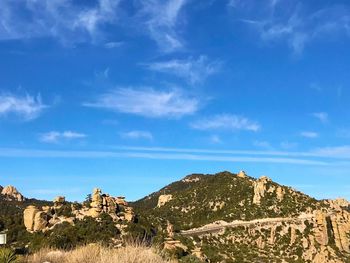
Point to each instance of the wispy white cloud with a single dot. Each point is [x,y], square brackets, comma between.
[192,70]
[161,20]
[296,27]
[321,116]
[137,135]
[180,155]
[342,151]
[336,152]
[64,20]
[111,45]
[26,107]
[226,122]
[55,136]
[309,134]
[147,102]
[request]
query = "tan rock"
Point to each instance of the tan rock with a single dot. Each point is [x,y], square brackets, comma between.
[293,235]
[341,228]
[40,221]
[96,198]
[163,199]
[29,216]
[59,200]
[129,214]
[260,243]
[321,233]
[260,186]
[242,174]
[272,238]
[280,193]
[12,193]
[94,212]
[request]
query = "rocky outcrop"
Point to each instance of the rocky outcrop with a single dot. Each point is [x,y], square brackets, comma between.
[59,201]
[11,193]
[163,199]
[242,174]
[116,207]
[29,217]
[340,223]
[36,220]
[260,187]
[280,193]
[48,217]
[321,233]
[338,204]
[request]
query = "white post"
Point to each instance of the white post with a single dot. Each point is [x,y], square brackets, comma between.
[3,239]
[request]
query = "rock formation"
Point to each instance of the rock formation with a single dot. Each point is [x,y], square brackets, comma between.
[242,174]
[59,201]
[321,233]
[340,224]
[11,193]
[163,199]
[260,187]
[29,217]
[116,207]
[48,217]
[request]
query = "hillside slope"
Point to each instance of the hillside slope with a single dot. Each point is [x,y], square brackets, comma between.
[199,199]
[229,217]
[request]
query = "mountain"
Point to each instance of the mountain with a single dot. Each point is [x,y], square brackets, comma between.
[224,217]
[229,217]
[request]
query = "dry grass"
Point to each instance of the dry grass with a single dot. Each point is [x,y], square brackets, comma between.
[99,254]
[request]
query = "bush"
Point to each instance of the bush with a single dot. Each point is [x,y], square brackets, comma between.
[7,255]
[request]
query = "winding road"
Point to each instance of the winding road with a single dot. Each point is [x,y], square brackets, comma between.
[220,225]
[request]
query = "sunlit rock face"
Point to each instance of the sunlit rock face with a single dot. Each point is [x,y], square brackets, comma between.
[11,193]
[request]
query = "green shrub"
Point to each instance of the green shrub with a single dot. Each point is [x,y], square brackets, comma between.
[7,255]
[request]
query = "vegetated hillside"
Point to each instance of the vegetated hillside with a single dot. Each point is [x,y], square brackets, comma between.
[223,217]
[202,199]
[11,217]
[32,224]
[229,217]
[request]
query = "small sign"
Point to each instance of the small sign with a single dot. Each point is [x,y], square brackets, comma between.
[2,239]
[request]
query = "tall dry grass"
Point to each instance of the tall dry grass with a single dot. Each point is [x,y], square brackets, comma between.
[99,254]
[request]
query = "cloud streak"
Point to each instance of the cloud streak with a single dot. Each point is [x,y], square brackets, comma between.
[55,136]
[297,27]
[321,116]
[147,102]
[25,153]
[161,20]
[309,134]
[26,107]
[192,70]
[65,20]
[226,122]
[137,135]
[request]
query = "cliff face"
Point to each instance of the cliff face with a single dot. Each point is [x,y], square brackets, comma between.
[239,218]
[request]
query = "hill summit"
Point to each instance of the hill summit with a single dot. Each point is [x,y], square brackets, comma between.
[229,217]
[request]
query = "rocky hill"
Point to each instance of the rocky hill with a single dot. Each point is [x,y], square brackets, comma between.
[224,217]
[236,218]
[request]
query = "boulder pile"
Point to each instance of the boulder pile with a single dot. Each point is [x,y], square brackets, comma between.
[11,193]
[47,217]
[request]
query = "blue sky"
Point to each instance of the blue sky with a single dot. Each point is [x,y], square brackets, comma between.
[132,95]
